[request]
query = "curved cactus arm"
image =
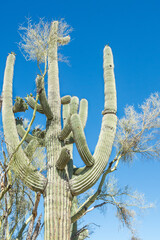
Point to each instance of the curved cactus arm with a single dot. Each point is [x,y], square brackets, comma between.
[66,99]
[67,127]
[21,131]
[65,113]
[83,111]
[43,98]
[20,105]
[63,159]
[74,105]
[80,140]
[19,162]
[65,131]
[89,176]
[31,102]
[77,171]
[31,148]
[81,211]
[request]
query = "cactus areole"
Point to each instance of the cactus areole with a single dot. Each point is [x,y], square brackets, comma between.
[61,184]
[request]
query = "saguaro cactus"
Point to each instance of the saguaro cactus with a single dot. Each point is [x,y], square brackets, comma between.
[63,181]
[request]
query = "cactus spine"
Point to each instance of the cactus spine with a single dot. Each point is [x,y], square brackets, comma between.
[63,181]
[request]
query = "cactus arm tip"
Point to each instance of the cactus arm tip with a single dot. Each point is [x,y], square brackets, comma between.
[43,98]
[89,176]
[63,159]
[67,127]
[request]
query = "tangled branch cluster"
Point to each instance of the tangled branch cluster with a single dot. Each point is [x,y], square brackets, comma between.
[125,201]
[138,131]
[35,41]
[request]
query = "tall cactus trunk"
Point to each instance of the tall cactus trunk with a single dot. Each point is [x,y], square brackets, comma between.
[58,195]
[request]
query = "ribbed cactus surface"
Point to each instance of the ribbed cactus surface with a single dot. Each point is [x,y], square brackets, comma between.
[64,180]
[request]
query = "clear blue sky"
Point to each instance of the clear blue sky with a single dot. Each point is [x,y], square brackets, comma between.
[131,28]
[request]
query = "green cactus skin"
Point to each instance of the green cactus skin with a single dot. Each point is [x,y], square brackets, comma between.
[42,97]
[74,105]
[83,235]
[58,198]
[80,140]
[66,99]
[83,208]
[89,176]
[69,147]
[67,128]
[31,102]
[68,142]
[78,171]
[74,228]
[63,159]
[21,132]
[31,148]
[65,113]
[110,104]
[73,211]
[83,111]
[22,169]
